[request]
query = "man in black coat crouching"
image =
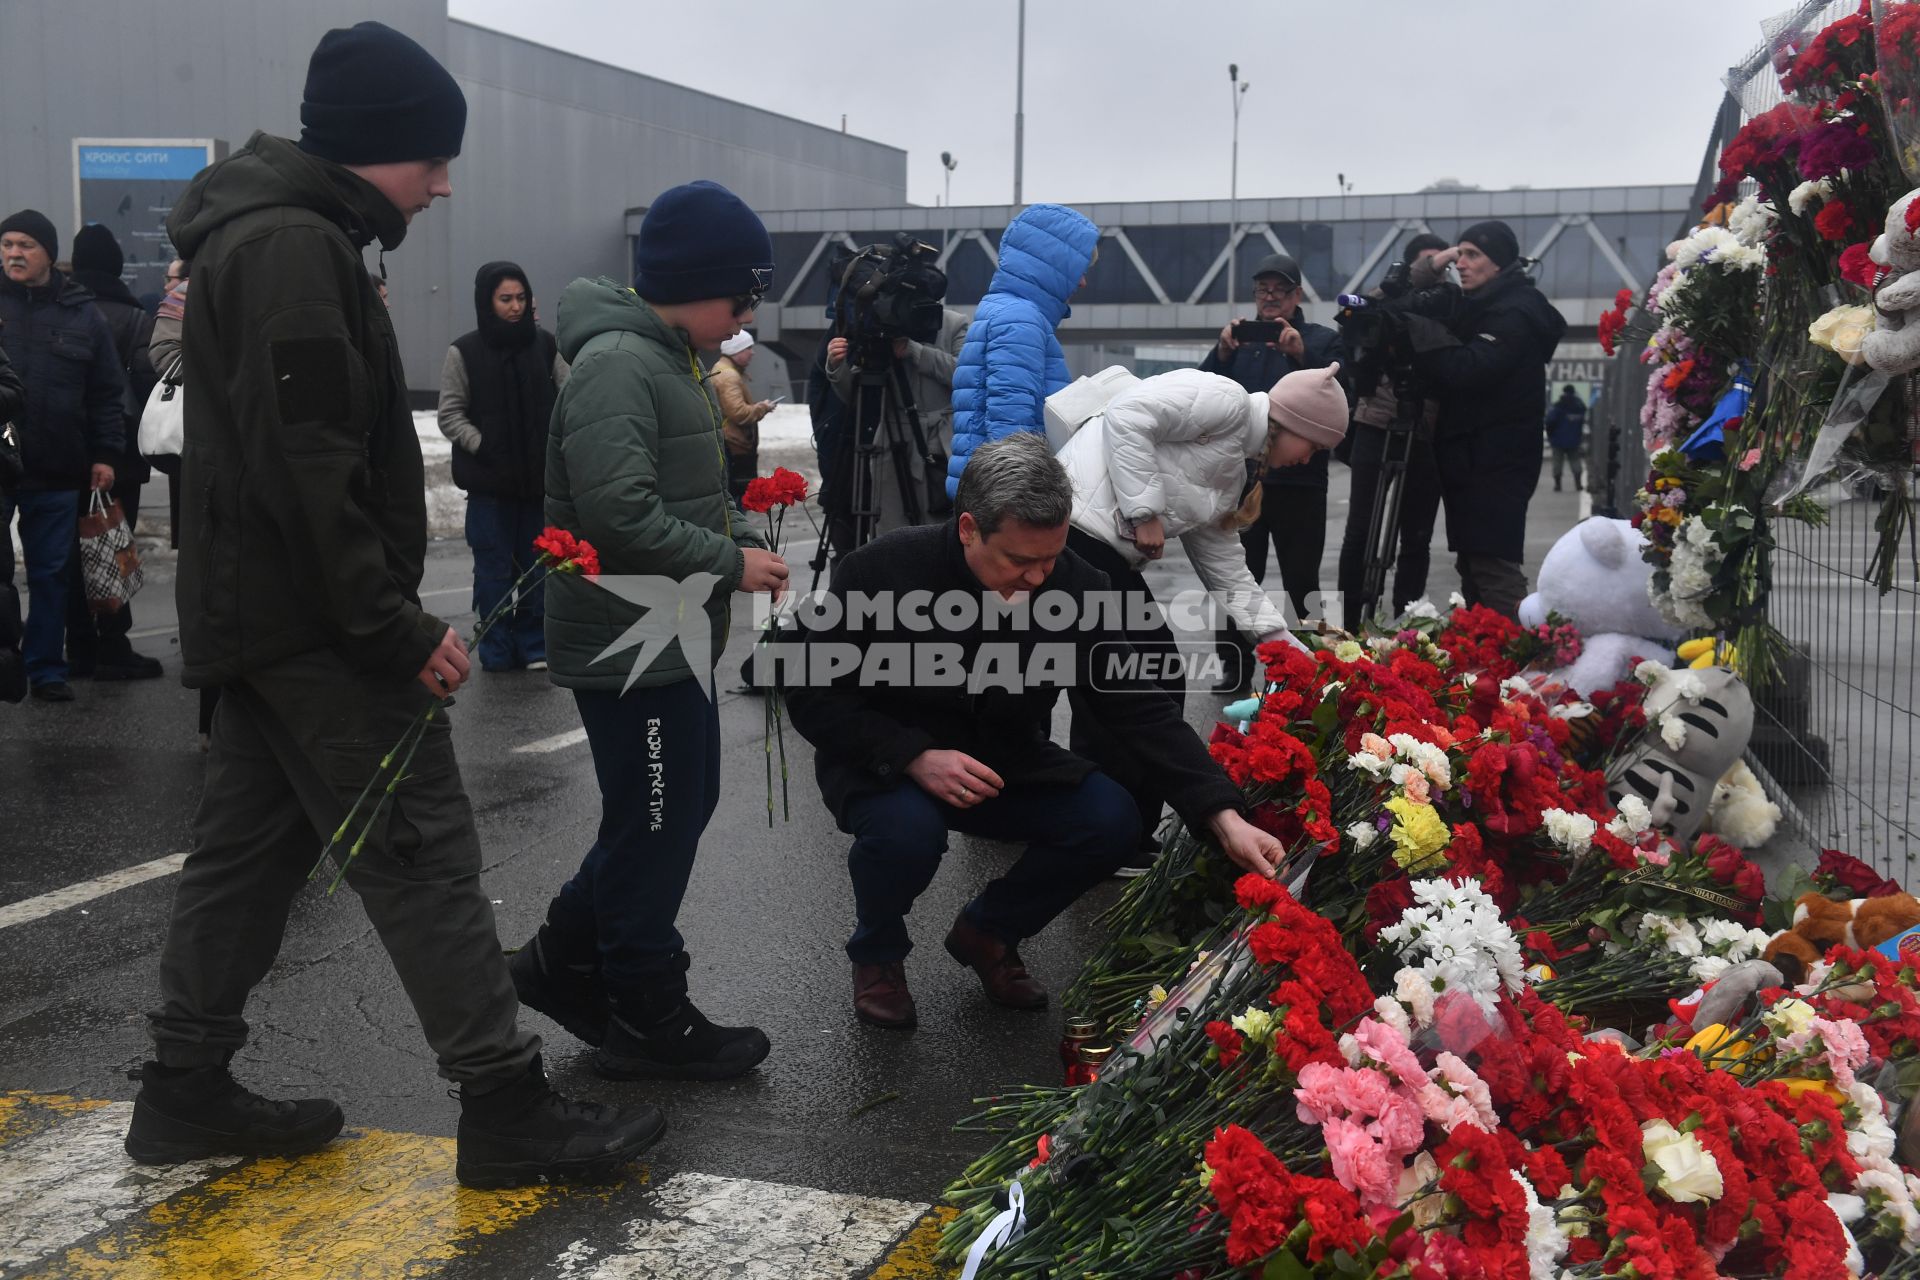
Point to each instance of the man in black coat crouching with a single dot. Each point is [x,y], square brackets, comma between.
[927,683]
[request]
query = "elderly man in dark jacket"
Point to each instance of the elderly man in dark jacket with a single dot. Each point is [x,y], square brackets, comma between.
[956,737]
[72,430]
[1490,376]
[99,645]
[300,564]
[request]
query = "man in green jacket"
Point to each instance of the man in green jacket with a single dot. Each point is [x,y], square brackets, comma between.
[637,466]
[302,543]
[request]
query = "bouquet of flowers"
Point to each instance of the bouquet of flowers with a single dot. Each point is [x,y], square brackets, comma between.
[771,496]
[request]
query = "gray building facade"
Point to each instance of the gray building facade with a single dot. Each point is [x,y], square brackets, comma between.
[558,148]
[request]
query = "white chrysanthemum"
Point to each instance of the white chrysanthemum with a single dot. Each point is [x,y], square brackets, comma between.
[1456,934]
[1571,831]
[1421,609]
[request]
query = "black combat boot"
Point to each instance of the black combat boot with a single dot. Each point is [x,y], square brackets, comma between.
[523,1133]
[186,1114]
[658,1034]
[571,994]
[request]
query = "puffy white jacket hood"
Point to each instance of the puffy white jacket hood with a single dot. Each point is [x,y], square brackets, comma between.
[1175,447]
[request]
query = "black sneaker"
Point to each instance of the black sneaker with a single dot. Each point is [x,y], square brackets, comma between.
[571,995]
[525,1134]
[13,675]
[53,691]
[182,1115]
[680,1045]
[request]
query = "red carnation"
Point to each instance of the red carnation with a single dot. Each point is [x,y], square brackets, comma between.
[1834,221]
[1227,1041]
[1856,266]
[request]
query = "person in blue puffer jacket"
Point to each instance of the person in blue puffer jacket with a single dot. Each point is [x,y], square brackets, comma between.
[1011,361]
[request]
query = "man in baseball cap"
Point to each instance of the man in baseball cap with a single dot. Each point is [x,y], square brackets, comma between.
[301,557]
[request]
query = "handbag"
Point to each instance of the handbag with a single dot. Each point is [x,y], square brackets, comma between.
[163,425]
[108,561]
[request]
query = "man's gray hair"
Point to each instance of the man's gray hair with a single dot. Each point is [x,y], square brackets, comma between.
[1015,478]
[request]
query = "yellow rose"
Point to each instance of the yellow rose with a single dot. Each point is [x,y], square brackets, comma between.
[1842,331]
[1688,1174]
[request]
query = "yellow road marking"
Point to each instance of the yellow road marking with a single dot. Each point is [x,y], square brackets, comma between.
[23,1114]
[914,1258]
[372,1206]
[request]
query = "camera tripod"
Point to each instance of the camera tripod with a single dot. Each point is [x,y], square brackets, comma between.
[1383,530]
[887,424]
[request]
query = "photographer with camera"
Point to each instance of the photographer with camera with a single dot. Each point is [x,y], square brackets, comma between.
[929,371]
[1257,354]
[1373,415]
[1488,369]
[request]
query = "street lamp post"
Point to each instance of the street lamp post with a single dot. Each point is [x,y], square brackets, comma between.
[1020,108]
[1233,196]
[948,163]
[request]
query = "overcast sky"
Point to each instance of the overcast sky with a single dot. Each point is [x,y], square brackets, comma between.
[1130,99]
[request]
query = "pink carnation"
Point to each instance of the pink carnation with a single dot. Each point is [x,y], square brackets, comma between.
[1377,1040]
[1361,1164]
[1844,1042]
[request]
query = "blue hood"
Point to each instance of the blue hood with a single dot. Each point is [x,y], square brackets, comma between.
[1043,254]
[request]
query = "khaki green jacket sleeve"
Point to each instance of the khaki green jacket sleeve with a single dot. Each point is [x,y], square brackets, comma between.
[611,448]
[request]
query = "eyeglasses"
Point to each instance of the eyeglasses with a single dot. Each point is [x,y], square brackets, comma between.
[746,302]
[1273,290]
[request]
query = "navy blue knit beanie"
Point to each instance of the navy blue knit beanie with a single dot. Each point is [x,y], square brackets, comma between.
[374,96]
[701,241]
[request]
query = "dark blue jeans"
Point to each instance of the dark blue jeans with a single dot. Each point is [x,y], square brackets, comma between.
[49,524]
[501,532]
[656,753]
[1076,836]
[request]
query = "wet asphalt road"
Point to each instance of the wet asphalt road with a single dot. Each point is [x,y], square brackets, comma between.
[113,779]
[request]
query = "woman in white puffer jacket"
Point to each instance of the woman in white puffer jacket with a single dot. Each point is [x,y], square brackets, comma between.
[1167,459]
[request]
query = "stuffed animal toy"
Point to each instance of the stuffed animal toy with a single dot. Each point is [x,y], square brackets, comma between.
[1698,723]
[1894,344]
[1723,1000]
[1740,812]
[1595,579]
[1820,923]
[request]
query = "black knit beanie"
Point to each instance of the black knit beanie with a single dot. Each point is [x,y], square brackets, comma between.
[1495,239]
[374,96]
[701,241]
[95,249]
[32,222]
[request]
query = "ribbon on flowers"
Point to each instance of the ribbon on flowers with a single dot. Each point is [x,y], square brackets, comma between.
[1007,1226]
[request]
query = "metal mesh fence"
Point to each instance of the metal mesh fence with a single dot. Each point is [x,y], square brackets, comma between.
[1835,736]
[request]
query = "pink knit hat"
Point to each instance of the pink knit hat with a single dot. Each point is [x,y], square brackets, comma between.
[1311,405]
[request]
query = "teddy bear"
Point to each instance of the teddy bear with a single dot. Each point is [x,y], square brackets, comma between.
[1894,344]
[1820,923]
[1595,579]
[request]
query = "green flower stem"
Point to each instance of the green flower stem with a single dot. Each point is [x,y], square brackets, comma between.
[411,740]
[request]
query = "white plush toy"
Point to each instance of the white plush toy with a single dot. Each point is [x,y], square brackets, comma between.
[1595,579]
[1894,344]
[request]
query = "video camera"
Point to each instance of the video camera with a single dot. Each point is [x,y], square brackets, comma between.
[1375,330]
[887,293]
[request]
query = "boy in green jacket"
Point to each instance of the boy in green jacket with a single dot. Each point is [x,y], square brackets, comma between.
[636,465]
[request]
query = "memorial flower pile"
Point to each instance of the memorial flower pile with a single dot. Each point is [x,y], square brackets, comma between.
[1454,1036]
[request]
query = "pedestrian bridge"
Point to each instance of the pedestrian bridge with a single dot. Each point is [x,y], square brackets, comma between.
[1165,266]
